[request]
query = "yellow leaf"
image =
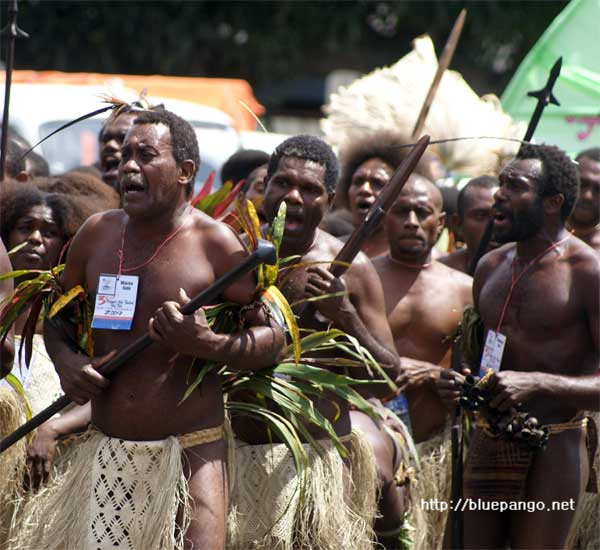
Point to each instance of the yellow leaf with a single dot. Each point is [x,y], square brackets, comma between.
[274,296]
[65,299]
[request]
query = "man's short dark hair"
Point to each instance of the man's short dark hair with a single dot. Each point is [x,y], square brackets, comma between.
[183,137]
[559,174]
[483,182]
[308,148]
[592,154]
[17,199]
[241,164]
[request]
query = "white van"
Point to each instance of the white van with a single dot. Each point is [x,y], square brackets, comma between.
[36,110]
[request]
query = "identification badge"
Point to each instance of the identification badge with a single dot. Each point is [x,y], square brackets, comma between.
[115,301]
[493,351]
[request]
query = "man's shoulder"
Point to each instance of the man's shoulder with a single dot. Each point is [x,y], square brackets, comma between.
[456,260]
[101,223]
[584,260]
[454,276]
[212,230]
[327,246]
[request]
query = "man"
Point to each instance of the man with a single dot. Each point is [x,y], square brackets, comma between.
[253,190]
[585,218]
[424,301]
[473,212]
[538,299]
[302,173]
[110,141]
[145,434]
[367,166]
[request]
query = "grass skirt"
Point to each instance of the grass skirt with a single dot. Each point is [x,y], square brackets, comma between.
[12,461]
[433,481]
[116,495]
[273,509]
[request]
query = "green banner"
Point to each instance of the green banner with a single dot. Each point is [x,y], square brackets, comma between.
[574,35]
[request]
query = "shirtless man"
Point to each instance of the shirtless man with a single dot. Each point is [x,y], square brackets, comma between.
[302,172]
[424,299]
[424,303]
[473,212]
[585,218]
[174,251]
[549,317]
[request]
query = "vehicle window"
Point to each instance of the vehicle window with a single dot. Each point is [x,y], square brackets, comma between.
[70,148]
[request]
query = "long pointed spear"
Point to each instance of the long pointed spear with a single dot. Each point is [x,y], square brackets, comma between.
[544,97]
[443,64]
[12,32]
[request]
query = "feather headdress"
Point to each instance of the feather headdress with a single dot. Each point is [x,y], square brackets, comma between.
[390,98]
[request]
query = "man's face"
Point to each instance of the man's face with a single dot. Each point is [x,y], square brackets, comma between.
[256,190]
[366,184]
[110,141]
[414,221]
[42,235]
[151,181]
[477,211]
[518,208]
[301,184]
[587,208]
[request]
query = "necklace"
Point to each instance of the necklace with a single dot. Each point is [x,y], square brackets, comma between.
[160,246]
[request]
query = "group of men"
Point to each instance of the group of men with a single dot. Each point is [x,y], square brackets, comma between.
[536,291]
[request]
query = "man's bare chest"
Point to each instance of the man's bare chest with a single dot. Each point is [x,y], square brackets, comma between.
[435,314]
[541,300]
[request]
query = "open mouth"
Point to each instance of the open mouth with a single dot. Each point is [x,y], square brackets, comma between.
[364,205]
[293,220]
[132,187]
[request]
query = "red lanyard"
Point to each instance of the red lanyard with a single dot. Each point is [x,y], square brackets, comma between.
[121,252]
[525,269]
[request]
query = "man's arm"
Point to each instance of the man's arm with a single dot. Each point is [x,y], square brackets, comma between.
[259,345]
[360,312]
[581,392]
[78,375]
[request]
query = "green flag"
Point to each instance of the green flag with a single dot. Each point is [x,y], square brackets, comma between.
[574,35]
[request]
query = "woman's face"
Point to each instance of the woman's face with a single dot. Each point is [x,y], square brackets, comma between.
[42,235]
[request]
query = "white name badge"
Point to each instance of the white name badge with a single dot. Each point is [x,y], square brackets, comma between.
[115,301]
[493,351]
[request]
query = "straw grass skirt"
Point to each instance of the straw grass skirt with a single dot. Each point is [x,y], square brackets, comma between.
[272,508]
[12,461]
[585,532]
[117,494]
[433,482]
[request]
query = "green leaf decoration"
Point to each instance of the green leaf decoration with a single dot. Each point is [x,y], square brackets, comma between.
[275,235]
[65,299]
[273,298]
[16,385]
